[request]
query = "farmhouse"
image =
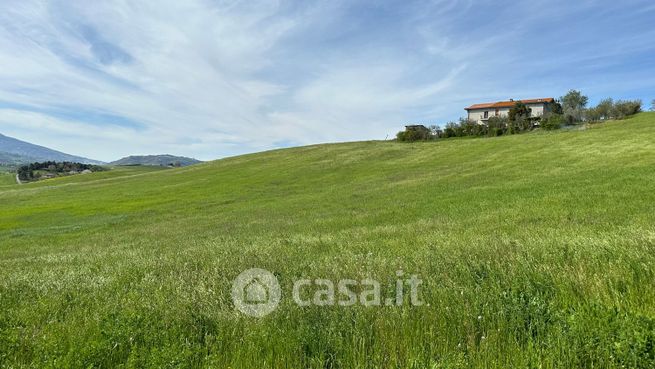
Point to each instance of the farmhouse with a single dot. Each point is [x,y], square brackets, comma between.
[482,112]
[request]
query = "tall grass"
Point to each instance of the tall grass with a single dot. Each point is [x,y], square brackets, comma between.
[536,250]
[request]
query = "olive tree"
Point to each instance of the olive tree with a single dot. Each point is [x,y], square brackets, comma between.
[605,108]
[626,108]
[573,105]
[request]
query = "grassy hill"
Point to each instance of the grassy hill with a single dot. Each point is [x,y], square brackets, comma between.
[536,250]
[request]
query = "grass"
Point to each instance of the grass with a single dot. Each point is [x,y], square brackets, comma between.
[7,178]
[536,250]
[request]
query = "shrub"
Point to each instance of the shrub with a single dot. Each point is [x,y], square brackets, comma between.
[472,128]
[626,108]
[414,133]
[519,124]
[550,122]
[452,130]
[512,127]
[497,126]
[407,136]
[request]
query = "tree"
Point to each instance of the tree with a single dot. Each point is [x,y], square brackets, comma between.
[652,105]
[24,173]
[519,110]
[573,105]
[472,128]
[452,129]
[435,131]
[519,118]
[496,126]
[604,108]
[556,107]
[574,99]
[593,114]
[626,108]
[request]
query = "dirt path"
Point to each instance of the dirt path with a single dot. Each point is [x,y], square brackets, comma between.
[18,180]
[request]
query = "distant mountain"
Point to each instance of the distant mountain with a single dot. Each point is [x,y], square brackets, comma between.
[7,159]
[157,160]
[14,152]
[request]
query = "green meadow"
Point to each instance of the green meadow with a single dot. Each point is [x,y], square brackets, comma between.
[535,251]
[7,178]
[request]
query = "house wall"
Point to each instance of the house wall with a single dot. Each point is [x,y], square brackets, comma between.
[477,115]
[537,109]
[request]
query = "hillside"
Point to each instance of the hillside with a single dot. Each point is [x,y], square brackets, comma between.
[160,160]
[14,152]
[7,159]
[535,250]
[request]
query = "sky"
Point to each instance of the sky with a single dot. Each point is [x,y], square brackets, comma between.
[216,78]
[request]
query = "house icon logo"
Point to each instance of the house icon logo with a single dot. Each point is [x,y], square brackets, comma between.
[256,292]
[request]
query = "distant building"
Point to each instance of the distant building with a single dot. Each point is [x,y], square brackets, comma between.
[414,132]
[417,128]
[482,112]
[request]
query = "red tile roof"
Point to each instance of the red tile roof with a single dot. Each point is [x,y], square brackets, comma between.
[509,104]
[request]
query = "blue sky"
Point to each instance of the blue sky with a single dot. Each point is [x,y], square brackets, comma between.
[214,78]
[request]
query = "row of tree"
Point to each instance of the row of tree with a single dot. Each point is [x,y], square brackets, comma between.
[569,109]
[575,108]
[35,171]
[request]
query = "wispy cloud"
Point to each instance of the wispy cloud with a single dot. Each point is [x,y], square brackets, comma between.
[215,78]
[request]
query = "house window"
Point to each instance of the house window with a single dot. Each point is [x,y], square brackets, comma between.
[497,111]
[486,114]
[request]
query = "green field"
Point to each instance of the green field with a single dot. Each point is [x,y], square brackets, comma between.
[536,251]
[7,178]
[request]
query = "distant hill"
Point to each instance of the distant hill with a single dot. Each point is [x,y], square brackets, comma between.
[7,159]
[157,160]
[15,152]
